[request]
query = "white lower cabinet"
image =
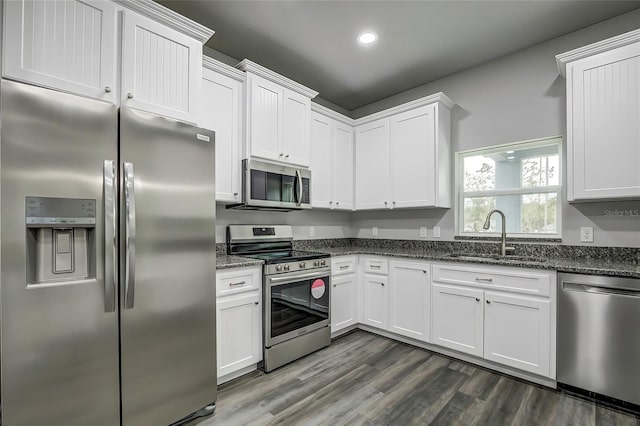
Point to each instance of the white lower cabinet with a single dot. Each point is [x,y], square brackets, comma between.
[457,318]
[375,300]
[409,299]
[343,301]
[497,314]
[516,331]
[238,320]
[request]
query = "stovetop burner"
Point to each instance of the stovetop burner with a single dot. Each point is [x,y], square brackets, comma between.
[287,256]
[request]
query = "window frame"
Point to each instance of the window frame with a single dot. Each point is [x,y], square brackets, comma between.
[460,194]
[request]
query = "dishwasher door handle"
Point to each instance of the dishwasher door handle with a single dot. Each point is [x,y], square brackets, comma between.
[593,289]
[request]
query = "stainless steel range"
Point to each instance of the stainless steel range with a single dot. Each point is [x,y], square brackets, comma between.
[296,296]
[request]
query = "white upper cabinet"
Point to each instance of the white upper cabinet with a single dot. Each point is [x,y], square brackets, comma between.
[278,116]
[403,156]
[65,45]
[161,68]
[331,160]
[372,165]
[221,112]
[603,130]
[71,45]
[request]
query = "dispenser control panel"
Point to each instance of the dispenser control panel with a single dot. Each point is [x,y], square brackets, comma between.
[60,212]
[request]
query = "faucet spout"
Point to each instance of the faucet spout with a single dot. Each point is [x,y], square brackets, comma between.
[503,239]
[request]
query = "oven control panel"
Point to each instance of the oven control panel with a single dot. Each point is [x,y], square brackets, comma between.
[281,268]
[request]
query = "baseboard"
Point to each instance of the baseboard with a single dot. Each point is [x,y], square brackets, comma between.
[236,374]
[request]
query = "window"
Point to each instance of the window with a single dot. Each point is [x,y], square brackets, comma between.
[522,180]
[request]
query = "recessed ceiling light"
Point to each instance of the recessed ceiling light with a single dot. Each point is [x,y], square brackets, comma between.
[510,152]
[511,157]
[367,37]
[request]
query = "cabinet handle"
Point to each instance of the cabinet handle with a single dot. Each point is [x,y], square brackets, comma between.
[107,89]
[236,284]
[281,154]
[385,203]
[235,193]
[382,284]
[424,272]
[337,203]
[344,267]
[484,280]
[477,299]
[335,285]
[394,203]
[256,303]
[374,266]
[330,202]
[488,302]
[130,95]
[286,156]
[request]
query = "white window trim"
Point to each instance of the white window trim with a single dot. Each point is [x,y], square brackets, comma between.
[458,179]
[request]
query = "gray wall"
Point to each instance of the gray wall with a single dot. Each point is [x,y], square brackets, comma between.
[515,98]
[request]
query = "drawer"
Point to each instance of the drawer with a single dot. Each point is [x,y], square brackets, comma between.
[343,265]
[374,265]
[506,279]
[238,281]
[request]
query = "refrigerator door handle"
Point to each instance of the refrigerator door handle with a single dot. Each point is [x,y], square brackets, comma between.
[110,255]
[130,236]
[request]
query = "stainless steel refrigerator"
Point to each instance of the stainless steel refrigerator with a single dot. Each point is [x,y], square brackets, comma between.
[107,285]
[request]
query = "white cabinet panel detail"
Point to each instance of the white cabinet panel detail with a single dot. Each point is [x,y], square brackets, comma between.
[66,45]
[409,299]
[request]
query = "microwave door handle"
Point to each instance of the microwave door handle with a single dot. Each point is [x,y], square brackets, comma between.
[299,188]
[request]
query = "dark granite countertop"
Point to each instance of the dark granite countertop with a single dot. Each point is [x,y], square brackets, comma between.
[224,261]
[578,265]
[611,261]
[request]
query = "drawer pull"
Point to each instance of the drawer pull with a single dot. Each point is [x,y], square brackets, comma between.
[344,267]
[256,303]
[335,285]
[484,280]
[375,266]
[488,302]
[477,299]
[237,284]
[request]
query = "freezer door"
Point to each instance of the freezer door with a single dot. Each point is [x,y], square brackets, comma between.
[167,225]
[59,325]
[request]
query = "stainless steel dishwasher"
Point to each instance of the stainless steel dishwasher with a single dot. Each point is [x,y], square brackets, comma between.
[599,335]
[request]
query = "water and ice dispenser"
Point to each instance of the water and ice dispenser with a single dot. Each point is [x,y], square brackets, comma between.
[60,240]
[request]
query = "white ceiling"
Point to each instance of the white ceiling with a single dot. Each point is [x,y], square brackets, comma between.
[314,42]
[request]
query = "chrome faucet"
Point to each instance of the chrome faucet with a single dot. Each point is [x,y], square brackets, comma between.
[503,243]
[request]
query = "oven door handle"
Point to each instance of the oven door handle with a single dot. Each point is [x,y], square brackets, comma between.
[293,278]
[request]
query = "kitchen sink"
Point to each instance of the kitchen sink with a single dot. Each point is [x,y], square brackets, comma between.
[487,256]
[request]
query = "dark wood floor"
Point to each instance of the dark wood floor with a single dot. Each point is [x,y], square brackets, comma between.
[364,379]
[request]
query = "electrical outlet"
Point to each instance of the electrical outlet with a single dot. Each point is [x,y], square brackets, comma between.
[586,234]
[312,231]
[423,232]
[436,232]
[374,231]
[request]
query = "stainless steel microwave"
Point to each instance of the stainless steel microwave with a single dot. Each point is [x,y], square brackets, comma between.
[270,186]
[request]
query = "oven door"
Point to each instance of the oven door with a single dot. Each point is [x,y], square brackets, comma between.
[295,304]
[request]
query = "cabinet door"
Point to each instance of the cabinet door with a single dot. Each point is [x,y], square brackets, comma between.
[296,141]
[457,318]
[342,166]
[321,161]
[413,166]
[603,106]
[161,68]
[65,45]
[265,118]
[409,299]
[220,112]
[239,332]
[374,309]
[517,332]
[372,165]
[344,302]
